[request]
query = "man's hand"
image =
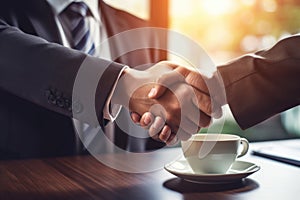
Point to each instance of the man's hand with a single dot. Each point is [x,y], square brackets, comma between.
[176,108]
[208,104]
[149,121]
[177,105]
[210,95]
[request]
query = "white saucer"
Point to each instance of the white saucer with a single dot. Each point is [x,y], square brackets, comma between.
[238,171]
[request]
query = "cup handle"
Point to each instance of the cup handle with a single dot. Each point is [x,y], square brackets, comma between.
[245,144]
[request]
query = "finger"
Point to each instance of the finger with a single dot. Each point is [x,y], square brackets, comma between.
[196,115]
[146,120]
[195,79]
[156,126]
[183,135]
[183,71]
[165,133]
[172,140]
[202,98]
[217,111]
[164,82]
[202,101]
[201,119]
[189,126]
[135,117]
[215,92]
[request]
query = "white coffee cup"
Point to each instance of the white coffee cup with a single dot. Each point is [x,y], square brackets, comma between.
[213,153]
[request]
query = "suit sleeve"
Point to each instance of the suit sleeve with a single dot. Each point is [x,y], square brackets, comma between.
[45,73]
[260,85]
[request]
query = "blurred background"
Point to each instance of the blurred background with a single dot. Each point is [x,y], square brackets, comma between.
[227,29]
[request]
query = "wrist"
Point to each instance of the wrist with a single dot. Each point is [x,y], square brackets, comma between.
[119,95]
[126,85]
[218,88]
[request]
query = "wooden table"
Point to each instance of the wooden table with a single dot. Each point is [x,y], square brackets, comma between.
[83,177]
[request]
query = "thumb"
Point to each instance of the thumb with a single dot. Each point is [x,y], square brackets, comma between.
[157,91]
[164,82]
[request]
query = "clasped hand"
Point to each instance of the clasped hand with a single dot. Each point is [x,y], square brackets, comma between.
[172,101]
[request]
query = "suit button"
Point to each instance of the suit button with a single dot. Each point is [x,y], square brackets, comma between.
[68,104]
[76,107]
[48,93]
[60,102]
[52,99]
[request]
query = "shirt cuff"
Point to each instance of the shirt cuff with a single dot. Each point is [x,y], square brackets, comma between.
[111,111]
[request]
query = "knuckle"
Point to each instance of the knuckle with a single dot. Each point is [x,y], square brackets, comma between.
[208,106]
[186,91]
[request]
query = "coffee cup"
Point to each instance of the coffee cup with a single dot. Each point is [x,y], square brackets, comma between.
[213,153]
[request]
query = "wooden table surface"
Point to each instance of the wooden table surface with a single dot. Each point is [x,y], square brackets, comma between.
[83,177]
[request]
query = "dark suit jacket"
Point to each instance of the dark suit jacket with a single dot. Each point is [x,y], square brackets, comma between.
[37,76]
[263,84]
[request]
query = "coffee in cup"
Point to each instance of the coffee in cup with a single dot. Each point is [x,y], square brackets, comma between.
[213,153]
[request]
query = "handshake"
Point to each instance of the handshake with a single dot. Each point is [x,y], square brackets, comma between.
[170,100]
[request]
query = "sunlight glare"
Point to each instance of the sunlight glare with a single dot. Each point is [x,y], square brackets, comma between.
[181,8]
[269,5]
[249,2]
[217,7]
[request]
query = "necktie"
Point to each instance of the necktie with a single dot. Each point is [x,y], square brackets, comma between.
[76,15]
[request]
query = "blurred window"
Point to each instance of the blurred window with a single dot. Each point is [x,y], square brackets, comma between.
[227,29]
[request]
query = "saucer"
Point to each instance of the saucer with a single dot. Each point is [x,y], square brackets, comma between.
[238,171]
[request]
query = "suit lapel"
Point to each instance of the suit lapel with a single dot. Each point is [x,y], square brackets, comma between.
[42,19]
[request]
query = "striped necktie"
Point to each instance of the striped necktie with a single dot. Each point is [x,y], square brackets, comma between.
[76,15]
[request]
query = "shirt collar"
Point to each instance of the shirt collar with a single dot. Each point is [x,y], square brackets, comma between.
[59,5]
